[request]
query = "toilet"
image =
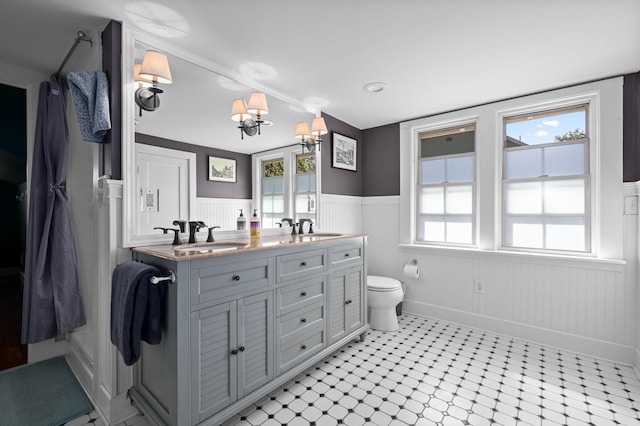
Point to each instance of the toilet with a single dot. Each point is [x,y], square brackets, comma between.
[383,295]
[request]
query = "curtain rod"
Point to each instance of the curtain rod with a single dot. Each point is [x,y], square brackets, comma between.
[81,37]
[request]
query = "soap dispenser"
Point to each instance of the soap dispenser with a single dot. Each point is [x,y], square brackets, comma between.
[255,224]
[242,222]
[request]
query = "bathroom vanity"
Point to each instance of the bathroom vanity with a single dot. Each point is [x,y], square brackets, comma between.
[243,317]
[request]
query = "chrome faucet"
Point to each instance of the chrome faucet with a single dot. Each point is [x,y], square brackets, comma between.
[301,227]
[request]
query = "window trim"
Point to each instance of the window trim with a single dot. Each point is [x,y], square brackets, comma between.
[607,195]
[591,143]
[288,153]
[416,185]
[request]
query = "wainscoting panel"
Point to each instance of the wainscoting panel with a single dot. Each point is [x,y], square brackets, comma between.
[584,305]
[222,212]
[340,213]
[380,221]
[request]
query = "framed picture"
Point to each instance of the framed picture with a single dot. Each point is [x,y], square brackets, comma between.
[344,152]
[222,169]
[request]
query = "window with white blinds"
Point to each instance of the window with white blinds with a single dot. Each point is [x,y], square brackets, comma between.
[546,181]
[446,186]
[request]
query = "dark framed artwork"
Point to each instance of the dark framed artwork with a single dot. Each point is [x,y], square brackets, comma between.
[222,169]
[344,152]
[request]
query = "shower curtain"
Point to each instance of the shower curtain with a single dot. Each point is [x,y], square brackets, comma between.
[52,303]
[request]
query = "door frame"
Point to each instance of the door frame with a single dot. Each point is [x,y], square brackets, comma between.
[191,179]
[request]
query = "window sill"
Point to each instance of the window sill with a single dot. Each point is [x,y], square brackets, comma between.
[519,256]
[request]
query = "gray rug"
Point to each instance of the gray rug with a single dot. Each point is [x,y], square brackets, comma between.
[41,394]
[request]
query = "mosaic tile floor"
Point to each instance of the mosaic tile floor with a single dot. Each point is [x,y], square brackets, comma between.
[434,373]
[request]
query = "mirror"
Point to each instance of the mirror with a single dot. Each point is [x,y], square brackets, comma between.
[194,114]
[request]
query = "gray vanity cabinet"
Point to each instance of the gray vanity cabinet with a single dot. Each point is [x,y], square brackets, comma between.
[231,352]
[240,325]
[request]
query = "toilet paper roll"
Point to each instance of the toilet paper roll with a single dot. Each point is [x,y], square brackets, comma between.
[411,270]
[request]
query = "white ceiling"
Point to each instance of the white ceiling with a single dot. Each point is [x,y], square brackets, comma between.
[434,55]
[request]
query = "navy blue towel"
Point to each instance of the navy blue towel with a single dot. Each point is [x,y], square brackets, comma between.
[137,308]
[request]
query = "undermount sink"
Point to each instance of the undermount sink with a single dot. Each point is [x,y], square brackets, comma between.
[317,236]
[207,248]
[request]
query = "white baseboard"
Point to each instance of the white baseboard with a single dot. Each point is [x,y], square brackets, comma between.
[111,409]
[570,342]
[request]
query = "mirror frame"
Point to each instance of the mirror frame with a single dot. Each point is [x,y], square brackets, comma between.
[129,38]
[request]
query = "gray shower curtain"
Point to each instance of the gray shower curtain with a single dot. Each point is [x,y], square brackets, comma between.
[52,303]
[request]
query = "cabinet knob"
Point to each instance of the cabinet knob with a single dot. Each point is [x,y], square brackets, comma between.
[303,320]
[303,347]
[241,348]
[303,264]
[303,294]
[236,278]
[347,302]
[346,255]
[234,352]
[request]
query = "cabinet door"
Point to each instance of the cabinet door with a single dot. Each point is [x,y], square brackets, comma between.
[255,342]
[213,365]
[354,312]
[345,302]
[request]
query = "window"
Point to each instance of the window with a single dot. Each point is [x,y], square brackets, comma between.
[546,180]
[286,185]
[445,191]
[272,192]
[305,187]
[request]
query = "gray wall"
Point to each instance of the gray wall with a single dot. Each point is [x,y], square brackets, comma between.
[340,181]
[631,128]
[381,161]
[110,151]
[204,187]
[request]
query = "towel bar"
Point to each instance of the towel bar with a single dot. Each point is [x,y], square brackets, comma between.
[171,278]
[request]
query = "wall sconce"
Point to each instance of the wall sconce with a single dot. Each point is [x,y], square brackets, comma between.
[242,111]
[153,70]
[310,139]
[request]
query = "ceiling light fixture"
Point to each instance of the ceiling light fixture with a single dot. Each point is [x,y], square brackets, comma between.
[374,87]
[311,139]
[242,112]
[153,70]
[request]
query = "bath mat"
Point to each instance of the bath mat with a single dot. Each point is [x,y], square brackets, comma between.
[42,394]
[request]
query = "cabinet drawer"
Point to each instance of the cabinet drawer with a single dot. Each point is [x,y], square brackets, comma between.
[295,350]
[226,280]
[295,265]
[346,254]
[300,322]
[300,294]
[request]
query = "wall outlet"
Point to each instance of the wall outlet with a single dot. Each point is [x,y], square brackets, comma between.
[478,286]
[631,204]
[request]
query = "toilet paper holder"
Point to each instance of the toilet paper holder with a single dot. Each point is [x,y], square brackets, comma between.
[411,269]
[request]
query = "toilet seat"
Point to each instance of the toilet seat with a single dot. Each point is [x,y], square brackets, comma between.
[377,283]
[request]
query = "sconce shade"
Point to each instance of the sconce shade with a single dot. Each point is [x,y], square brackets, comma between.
[318,127]
[136,75]
[257,104]
[239,110]
[302,130]
[155,67]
